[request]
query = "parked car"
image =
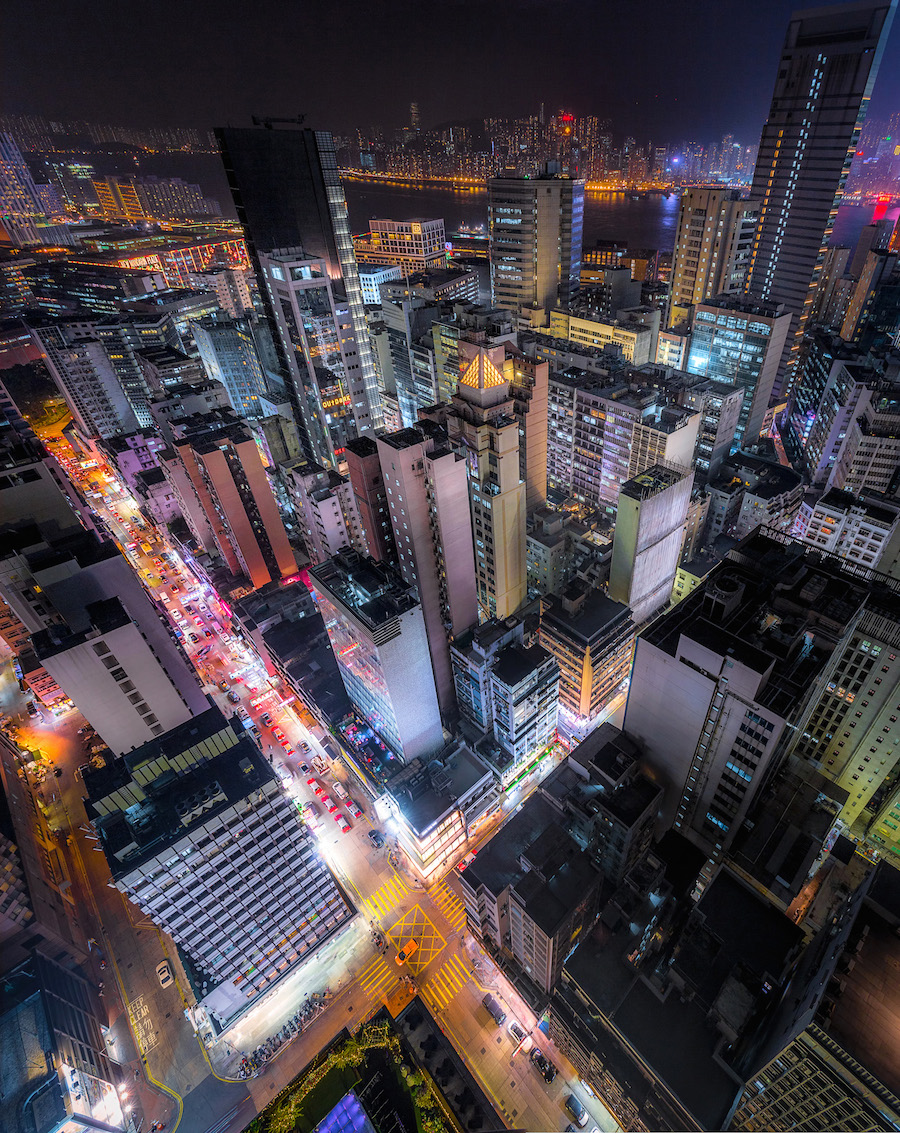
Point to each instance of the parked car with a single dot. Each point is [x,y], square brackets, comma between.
[265,719]
[224,686]
[232,697]
[164,973]
[304,767]
[516,1030]
[354,809]
[546,1067]
[576,1111]
[375,838]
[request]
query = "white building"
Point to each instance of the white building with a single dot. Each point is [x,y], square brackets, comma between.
[325,507]
[524,704]
[201,837]
[371,277]
[852,528]
[377,631]
[647,543]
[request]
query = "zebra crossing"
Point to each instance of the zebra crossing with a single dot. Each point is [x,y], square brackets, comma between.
[443,987]
[451,907]
[377,977]
[387,898]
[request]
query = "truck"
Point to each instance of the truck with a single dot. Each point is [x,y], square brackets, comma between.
[340,790]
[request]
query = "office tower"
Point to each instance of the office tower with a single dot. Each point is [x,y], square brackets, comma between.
[482,426]
[535,233]
[243,907]
[325,371]
[20,207]
[414,120]
[740,342]
[370,492]
[371,277]
[228,351]
[220,482]
[428,505]
[751,491]
[650,519]
[824,80]
[325,507]
[712,248]
[377,631]
[860,529]
[592,638]
[414,245]
[287,192]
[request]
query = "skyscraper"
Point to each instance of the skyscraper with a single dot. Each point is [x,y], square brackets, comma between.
[712,248]
[288,194]
[536,234]
[824,80]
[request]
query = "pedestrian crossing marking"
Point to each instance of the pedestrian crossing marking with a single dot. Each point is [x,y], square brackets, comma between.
[388,897]
[376,977]
[415,925]
[452,908]
[444,986]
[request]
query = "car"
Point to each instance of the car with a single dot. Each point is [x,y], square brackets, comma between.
[232,696]
[188,608]
[312,782]
[329,803]
[207,633]
[175,588]
[164,579]
[517,1031]
[32,708]
[265,719]
[375,838]
[320,791]
[224,685]
[343,823]
[164,973]
[546,1067]
[285,743]
[165,598]
[576,1111]
[289,752]
[278,733]
[304,767]
[405,952]
[354,808]
[198,622]
[194,638]
[304,747]
[466,862]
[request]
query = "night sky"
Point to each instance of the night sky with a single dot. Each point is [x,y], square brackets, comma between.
[661,70]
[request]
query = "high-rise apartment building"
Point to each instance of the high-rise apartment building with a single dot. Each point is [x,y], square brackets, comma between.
[536,234]
[483,427]
[20,207]
[287,192]
[428,505]
[823,83]
[370,491]
[740,342]
[712,248]
[201,837]
[377,631]
[650,517]
[862,530]
[413,245]
[217,475]
[230,355]
[325,507]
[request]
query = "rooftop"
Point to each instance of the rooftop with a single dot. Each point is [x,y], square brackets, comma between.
[372,591]
[427,792]
[515,663]
[652,482]
[497,864]
[558,877]
[584,618]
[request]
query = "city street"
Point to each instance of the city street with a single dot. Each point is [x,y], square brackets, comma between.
[450,972]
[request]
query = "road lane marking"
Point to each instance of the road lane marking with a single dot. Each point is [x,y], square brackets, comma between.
[452,909]
[448,982]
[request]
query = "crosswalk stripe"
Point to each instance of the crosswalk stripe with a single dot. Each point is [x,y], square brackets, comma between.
[450,980]
[388,896]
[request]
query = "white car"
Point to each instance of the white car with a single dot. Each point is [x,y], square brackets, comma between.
[164,973]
